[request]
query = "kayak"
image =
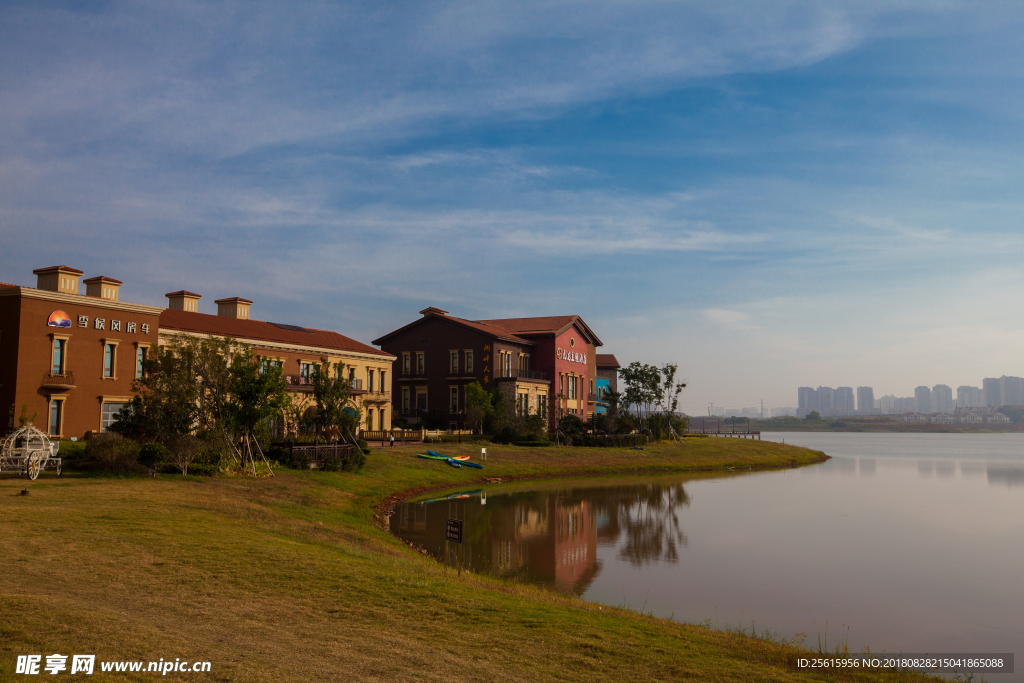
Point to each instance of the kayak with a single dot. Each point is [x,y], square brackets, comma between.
[453,463]
[467,464]
[432,457]
[453,457]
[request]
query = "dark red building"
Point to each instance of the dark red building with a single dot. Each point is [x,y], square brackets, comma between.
[538,362]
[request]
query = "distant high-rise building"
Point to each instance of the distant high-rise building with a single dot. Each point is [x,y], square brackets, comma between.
[1012,390]
[826,400]
[806,401]
[779,412]
[865,400]
[992,391]
[887,405]
[969,397]
[842,401]
[942,399]
[923,398]
[907,404]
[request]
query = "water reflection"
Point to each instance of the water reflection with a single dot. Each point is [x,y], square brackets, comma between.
[551,536]
[1005,475]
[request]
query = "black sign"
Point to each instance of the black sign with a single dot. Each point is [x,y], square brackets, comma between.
[454,530]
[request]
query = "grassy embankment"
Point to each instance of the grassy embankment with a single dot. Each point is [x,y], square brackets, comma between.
[293,579]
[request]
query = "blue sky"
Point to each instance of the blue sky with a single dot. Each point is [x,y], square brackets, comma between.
[772,196]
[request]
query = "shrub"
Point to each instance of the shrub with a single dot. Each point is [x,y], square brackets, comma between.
[203,470]
[362,444]
[299,460]
[355,461]
[153,455]
[331,463]
[113,453]
[571,425]
[532,444]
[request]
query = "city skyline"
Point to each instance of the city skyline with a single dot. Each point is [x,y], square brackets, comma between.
[768,196]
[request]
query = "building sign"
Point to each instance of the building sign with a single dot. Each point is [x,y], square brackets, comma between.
[571,356]
[58,319]
[101,324]
[453,531]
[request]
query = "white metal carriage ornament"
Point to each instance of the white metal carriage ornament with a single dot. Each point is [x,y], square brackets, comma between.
[28,451]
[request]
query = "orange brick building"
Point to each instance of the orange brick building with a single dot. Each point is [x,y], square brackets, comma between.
[69,358]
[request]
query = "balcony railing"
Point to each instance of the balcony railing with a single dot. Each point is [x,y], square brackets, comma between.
[592,398]
[59,380]
[377,396]
[522,374]
[301,381]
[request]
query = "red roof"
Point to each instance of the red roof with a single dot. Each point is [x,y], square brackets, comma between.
[231,300]
[607,360]
[183,292]
[103,278]
[222,326]
[62,269]
[6,285]
[432,312]
[546,326]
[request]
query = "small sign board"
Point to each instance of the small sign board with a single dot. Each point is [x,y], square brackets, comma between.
[454,530]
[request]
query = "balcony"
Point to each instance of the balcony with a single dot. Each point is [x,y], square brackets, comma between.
[377,396]
[516,373]
[59,381]
[300,383]
[592,398]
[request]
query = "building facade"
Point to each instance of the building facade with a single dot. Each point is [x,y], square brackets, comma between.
[607,380]
[546,366]
[68,358]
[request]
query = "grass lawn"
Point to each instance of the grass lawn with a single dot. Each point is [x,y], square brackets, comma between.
[293,578]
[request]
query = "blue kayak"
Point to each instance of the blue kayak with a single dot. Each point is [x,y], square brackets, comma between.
[466,463]
[453,463]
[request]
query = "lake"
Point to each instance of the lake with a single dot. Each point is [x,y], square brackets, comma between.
[900,542]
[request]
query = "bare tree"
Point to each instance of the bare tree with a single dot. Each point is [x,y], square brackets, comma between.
[184,449]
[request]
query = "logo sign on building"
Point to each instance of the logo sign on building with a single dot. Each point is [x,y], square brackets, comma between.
[58,319]
[453,532]
[571,356]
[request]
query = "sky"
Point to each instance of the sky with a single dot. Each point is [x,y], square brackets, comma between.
[770,195]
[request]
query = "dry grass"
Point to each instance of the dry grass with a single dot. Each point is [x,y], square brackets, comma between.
[288,579]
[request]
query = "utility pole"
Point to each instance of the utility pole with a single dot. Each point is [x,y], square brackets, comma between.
[762,408]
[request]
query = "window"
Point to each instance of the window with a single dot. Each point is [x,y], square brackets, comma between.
[572,387]
[455,400]
[508,365]
[523,404]
[405,401]
[542,405]
[58,356]
[56,413]
[109,358]
[561,383]
[381,413]
[369,418]
[454,363]
[406,363]
[110,411]
[140,355]
[469,361]
[369,380]
[382,383]
[304,369]
[421,400]
[421,364]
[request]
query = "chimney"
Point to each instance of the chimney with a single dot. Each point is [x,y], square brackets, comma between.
[233,307]
[103,287]
[183,300]
[62,279]
[432,310]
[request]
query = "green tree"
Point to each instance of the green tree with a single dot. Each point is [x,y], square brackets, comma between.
[332,393]
[258,396]
[478,405]
[669,397]
[166,401]
[813,416]
[643,388]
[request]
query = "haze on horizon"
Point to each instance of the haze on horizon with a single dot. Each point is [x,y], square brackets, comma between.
[803,194]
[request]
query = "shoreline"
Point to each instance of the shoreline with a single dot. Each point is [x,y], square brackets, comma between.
[293,578]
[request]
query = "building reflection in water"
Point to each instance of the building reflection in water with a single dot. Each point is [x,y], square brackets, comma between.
[550,537]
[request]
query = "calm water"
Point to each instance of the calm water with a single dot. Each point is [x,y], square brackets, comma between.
[901,542]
